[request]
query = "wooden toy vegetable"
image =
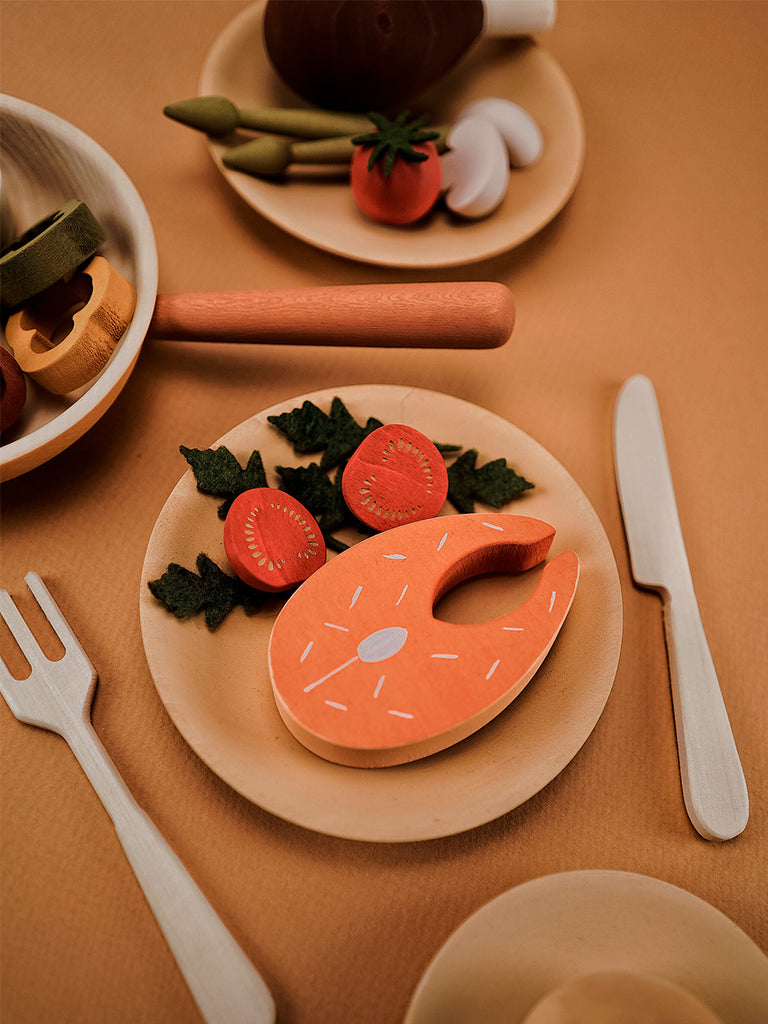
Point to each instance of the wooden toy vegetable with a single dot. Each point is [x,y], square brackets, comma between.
[51,249]
[522,136]
[63,337]
[364,674]
[272,542]
[475,168]
[395,476]
[218,116]
[395,173]
[377,54]
[268,155]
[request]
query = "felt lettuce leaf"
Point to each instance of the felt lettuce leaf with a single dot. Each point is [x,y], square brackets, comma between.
[336,435]
[494,483]
[210,590]
[321,496]
[218,472]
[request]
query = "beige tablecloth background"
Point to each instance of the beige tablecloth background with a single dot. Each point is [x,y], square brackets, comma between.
[657,265]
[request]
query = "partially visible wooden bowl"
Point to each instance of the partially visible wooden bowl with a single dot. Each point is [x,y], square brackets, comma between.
[46,161]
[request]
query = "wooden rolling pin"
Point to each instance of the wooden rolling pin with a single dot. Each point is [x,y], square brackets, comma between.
[454,314]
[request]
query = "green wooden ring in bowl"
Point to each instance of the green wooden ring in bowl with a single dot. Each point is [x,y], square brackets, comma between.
[46,161]
[51,249]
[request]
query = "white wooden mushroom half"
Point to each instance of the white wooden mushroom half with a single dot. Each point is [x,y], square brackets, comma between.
[475,168]
[520,132]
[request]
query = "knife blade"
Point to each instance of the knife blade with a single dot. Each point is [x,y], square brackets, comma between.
[714,788]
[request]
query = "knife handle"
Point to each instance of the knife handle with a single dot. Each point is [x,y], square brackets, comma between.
[714,788]
[455,314]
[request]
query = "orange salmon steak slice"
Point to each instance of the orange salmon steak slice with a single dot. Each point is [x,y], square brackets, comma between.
[365,675]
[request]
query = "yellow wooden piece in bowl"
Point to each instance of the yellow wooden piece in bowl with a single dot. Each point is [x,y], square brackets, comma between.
[65,336]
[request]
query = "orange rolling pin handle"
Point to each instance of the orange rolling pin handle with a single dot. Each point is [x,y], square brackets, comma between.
[455,314]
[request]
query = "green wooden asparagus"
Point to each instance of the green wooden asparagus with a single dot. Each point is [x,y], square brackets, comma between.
[268,156]
[218,116]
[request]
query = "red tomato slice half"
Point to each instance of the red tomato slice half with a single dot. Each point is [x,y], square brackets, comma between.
[272,542]
[395,476]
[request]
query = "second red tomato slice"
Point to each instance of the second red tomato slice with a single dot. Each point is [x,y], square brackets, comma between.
[395,476]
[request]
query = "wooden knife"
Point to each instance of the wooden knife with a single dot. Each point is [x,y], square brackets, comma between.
[714,788]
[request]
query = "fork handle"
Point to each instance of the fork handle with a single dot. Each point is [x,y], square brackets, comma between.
[224,983]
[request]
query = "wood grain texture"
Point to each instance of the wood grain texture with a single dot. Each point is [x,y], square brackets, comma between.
[363,672]
[440,315]
[65,336]
[48,251]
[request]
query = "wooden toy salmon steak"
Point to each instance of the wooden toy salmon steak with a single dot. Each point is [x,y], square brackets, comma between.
[365,675]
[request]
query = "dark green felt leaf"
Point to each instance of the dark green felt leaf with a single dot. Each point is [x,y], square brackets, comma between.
[218,472]
[495,483]
[209,590]
[306,427]
[321,496]
[337,435]
[345,434]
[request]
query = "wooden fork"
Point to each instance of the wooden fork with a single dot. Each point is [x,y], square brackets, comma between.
[57,695]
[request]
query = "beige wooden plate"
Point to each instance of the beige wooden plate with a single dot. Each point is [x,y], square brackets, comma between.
[317,206]
[534,938]
[217,690]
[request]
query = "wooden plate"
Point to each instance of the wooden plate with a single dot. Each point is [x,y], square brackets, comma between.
[217,690]
[46,161]
[534,938]
[318,206]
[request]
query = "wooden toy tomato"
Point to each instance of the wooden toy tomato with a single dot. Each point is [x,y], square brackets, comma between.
[395,476]
[272,542]
[395,174]
[364,673]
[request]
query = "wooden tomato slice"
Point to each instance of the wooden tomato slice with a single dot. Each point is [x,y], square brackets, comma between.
[272,542]
[364,673]
[395,476]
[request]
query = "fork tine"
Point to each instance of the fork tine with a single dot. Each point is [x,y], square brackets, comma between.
[53,613]
[22,634]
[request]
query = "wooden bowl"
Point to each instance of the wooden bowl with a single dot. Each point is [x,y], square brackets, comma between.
[45,161]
